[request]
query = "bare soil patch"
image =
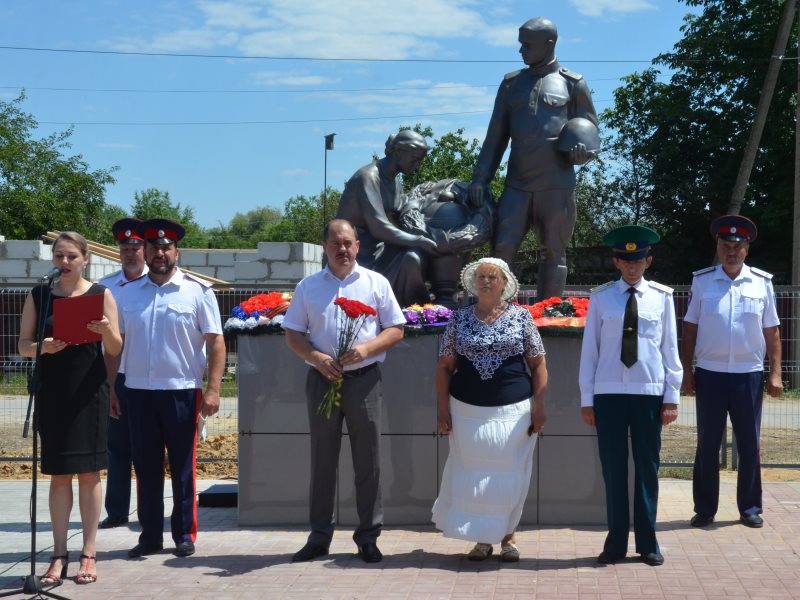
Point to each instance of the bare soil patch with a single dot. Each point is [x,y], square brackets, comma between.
[217,457]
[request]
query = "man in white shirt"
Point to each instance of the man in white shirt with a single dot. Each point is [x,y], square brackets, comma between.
[118,481]
[169,321]
[730,326]
[312,312]
[630,376]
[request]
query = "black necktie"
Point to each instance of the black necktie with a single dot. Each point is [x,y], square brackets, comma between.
[629,354]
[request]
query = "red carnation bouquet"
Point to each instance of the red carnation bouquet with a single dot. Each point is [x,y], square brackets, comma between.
[558,312]
[352,317]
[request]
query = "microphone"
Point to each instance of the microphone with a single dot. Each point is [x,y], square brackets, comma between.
[54,272]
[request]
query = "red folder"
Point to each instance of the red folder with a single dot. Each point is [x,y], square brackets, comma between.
[70,316]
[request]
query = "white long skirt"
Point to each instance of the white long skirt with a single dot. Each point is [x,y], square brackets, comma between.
[488,472]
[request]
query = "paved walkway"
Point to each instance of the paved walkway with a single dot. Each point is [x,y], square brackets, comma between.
[725,561]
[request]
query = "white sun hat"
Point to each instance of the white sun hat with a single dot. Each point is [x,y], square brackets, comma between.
[468,276]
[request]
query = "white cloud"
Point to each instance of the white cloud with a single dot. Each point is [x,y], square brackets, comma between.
[597,8]
[338,29]
[441,98]
[502,35]
[293,78]
[116,145]
[295,172]
[182,40]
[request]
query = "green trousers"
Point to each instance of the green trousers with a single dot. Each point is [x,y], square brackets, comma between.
[617,416]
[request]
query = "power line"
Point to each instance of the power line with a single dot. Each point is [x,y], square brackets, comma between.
[302,58]
[279,91]
[285,122]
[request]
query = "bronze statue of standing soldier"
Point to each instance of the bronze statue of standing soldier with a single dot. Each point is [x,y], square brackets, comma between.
[532,110]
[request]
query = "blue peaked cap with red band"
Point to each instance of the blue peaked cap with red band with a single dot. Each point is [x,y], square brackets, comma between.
[734,228]
[126,231]
[161,231]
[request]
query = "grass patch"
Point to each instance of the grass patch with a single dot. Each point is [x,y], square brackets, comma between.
[675,473]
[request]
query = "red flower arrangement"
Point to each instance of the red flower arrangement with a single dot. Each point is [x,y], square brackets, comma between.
[558,312]
[267,305]
[352,317]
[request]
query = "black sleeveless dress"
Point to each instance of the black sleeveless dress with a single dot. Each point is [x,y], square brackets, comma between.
[73,401]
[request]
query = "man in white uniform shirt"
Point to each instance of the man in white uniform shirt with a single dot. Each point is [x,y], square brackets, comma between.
[169,320]
[730,326]
[313,312]
[630,375]
[118,481]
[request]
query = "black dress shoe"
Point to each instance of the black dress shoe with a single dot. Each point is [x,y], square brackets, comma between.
[654,559]
[309,552]
[752,521]
[701,520]
[184,548]
[606,558]
[369,553]
[141,549]
[110,522]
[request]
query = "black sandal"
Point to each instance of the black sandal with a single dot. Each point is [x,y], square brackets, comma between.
[50,578]
[84,576]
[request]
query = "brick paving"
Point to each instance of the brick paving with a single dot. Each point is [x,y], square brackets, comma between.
[727,560]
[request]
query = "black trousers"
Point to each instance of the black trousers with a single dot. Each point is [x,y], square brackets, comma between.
[741,396]
[362,397]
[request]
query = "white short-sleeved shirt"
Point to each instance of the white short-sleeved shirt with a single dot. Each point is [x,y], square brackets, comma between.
[114,283]
[658,369]
[117,280]
[312,309]
[731,315]
[164,328]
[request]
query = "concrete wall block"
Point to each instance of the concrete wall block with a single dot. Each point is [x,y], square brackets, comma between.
[36,268]
[310,252]
[17,268]
[24,249]
[221,259]
[210,271]
[226,273]
[287,271]
[309,268]
[275,250]
[251,271]
[193,258]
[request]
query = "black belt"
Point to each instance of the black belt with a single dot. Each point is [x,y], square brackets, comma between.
[359,372]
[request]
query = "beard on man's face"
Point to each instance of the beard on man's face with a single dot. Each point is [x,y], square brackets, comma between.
[161,265]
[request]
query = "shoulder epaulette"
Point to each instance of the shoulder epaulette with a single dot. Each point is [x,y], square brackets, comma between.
[703,271]
[570,74]
[512,74]
[661,286]
[196,279]
[600,288]
[128,281]
[763,274]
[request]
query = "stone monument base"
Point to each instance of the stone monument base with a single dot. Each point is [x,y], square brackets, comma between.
[566,486]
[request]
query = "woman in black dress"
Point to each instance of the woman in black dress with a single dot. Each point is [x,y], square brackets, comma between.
[72,404]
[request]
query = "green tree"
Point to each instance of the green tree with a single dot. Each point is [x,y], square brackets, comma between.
[245,230]
[451,156]
[302,218]
[41,189]
[153,203]
[108,216]
[687,134]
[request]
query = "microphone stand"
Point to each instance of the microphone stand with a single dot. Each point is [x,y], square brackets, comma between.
[33,583]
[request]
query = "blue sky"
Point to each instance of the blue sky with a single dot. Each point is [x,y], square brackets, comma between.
[228,134]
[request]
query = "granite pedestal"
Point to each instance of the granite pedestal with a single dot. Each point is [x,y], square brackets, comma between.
[567,484]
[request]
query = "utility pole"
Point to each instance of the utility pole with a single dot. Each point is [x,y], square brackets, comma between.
[794,376]
[328,146]
[749,157]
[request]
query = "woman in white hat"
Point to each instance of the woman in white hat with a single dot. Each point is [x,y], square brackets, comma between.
[490,406]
